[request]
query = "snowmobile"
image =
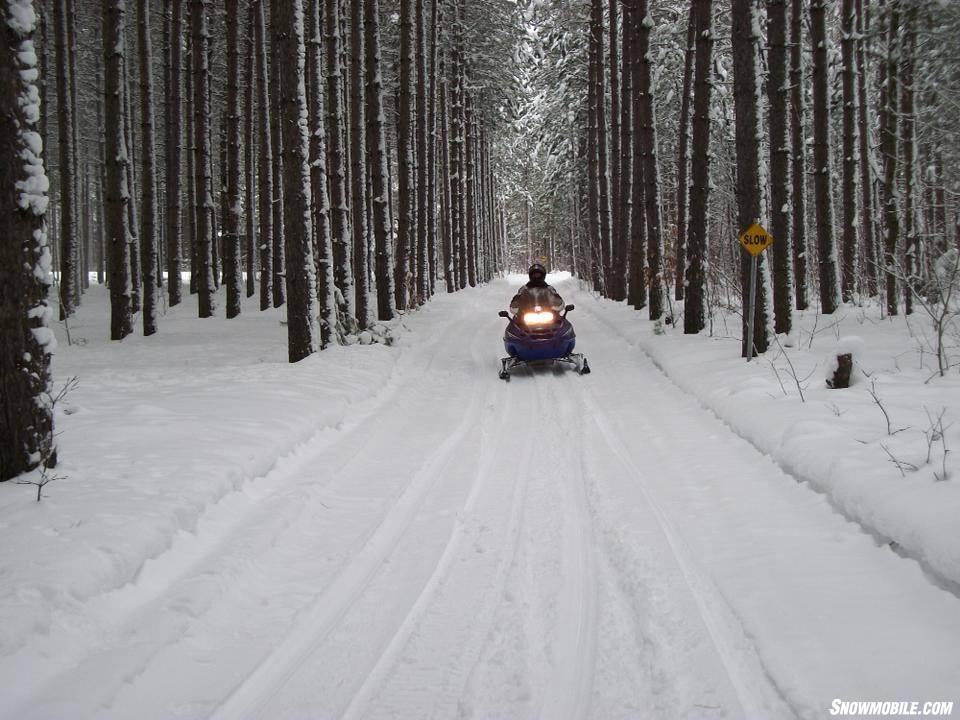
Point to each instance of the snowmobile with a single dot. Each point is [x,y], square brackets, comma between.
[539,336]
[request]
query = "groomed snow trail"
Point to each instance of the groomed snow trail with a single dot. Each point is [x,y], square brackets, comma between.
[556,547]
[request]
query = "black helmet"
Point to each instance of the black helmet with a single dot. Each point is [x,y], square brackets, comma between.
[537,269]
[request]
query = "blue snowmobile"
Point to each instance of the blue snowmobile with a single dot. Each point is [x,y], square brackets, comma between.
[537,331]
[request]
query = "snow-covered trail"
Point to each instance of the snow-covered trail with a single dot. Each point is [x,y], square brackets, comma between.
[554,547]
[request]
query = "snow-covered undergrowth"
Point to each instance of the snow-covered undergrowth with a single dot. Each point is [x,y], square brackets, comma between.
[157,431]
[899,479]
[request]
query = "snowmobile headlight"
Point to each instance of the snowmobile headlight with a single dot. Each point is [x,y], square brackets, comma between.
[538,318]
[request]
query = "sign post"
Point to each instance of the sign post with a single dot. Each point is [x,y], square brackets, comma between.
[755,240]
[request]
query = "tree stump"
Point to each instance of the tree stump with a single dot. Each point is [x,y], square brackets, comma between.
[841,376]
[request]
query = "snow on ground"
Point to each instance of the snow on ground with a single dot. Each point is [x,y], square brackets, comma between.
[394,532]
[898,482]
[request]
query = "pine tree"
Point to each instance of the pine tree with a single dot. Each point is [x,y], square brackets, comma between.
[778,95]
[888,148]
[643,93]
[117,191]
[358,158]
[798,230]
[822,175]
[26,341]
[232,273]
[301,291]
[323,245]
[69,225]
[203,182]
[174,152]
[848,241]
[265,178]
[406,147]
[149,216]
[377,152]
[750,186]
[683,155]
[339,208]
[694,307]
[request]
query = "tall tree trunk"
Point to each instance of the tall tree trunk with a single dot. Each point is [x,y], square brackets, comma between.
[117,165]
[203,183]
[637,285]
[326,288]
[866,172]
[651,173]
[276,139]
[174,151]
[436,18]
[447,224]
[232,273]
[683,157]
[358,158]
[694,310]
[594,101]
[249,171]
[136,279]
[751,196]
[798,232]
[888,149]
[377,150]
[621,248]
[26,418]
[406,155]
[602,161]
[69,225]
[849,242]
[471,218]
[908,61]
[301,292]
[778,96]
[458,165]
[149,213]
[336,124]
[615,144]
[822,175]
[422,264]
[265,179]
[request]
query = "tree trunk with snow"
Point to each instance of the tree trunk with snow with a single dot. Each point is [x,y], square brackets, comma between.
[67,167]
[265,176]
[694,310]
[249,172]
[26,341]
[203,181]
[603,168]
[822,174]
[637,282]
[750,166]
[849,241]
[339,208]
[778,96]
[377,152]
[323,239]
[406,156]
[908,62]
[683,154]
[149,213]
[888,149]
[174,152]
[643,93]
[276,139]
[358,158]
[232,273]
[117,161]
[613,12]
[798,230]
[867,197]
[301,297]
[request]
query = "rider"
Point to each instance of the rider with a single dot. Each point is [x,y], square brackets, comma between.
[536,293]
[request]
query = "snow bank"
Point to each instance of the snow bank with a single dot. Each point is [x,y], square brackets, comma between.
[891,481]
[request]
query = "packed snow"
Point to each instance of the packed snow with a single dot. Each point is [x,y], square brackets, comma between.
[389,530]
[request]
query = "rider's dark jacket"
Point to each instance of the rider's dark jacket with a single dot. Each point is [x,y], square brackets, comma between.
[536,292]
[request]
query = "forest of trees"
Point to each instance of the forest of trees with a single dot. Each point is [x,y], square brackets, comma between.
[347,159]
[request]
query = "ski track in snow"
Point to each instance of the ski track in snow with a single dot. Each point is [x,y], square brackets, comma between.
[556,547]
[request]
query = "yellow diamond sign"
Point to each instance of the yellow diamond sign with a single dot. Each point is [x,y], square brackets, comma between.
[755,239]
